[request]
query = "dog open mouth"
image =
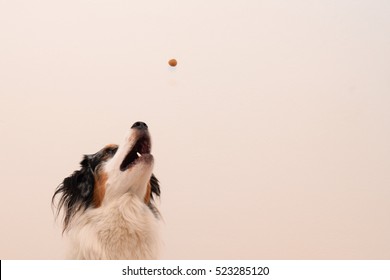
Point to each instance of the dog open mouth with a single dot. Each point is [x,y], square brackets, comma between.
[139,151]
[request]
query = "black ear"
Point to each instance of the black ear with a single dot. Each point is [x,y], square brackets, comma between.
[80,184]
[155,186]
[154,190]
[76,192]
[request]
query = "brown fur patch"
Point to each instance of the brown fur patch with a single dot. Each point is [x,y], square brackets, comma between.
[111,146]
[100,188]
[147,195]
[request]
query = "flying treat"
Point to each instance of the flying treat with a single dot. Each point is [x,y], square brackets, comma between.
[172,62]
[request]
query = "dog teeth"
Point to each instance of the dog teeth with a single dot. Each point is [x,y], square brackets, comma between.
[138,154]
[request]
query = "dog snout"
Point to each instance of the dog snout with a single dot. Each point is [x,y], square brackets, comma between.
[140,126]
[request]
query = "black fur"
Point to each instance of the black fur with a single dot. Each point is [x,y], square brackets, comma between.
[76,191]
[155,184]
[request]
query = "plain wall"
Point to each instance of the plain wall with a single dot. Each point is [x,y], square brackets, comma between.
[271,136]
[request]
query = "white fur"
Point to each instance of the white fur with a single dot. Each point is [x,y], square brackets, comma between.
[123,229]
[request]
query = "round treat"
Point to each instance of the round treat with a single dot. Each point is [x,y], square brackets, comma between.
[172,62]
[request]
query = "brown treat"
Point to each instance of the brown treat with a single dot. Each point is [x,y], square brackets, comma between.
[172,62]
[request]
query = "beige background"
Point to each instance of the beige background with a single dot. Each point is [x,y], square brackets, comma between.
[271,136]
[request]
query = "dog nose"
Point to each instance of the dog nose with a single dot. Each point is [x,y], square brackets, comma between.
[140,126]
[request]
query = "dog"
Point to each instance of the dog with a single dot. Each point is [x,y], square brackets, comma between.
[109,204]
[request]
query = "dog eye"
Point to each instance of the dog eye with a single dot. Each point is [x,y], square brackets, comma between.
[110,151]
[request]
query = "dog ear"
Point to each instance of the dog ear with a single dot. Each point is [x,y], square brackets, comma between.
[155,186]
[76,191]
[80,183]
[154,190]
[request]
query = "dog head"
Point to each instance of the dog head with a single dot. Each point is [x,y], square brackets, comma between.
[110,173]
